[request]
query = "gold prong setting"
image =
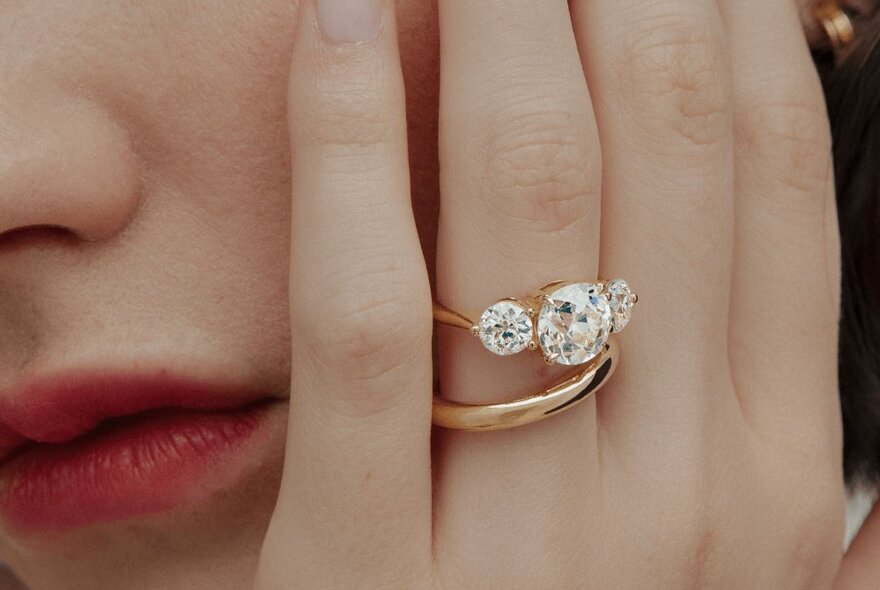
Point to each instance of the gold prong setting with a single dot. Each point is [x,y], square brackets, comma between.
[568,323]
[551,359]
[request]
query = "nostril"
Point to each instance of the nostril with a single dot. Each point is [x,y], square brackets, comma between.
[35,235]
[66,164]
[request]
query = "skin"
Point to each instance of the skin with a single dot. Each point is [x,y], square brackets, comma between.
[229,165]
[859,570]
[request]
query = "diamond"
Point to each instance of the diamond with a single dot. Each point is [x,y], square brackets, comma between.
[574,323]
[505,328]
[621,299]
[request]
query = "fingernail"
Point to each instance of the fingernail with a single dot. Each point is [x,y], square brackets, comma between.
[344,22]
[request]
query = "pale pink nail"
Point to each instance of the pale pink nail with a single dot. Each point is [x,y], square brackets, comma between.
[349,21]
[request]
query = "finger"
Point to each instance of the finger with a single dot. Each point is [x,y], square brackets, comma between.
[661,86]
[784,301]
[860,569]
[355,501]
[520,182]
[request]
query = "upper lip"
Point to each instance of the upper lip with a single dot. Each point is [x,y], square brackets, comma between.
[59,408]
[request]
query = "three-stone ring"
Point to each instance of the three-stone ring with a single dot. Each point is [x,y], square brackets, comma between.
[570,323]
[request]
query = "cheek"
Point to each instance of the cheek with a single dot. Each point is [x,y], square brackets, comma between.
[213,132]
[197,262]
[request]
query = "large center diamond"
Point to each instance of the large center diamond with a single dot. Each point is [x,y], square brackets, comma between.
[574,324]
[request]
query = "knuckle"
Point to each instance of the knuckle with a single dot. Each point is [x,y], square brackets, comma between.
[701,559]
[675,72]
[789,137]
[349,122]
[347,101]
[372,335]
[539,170]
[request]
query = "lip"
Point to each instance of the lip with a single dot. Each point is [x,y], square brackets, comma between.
[84,448]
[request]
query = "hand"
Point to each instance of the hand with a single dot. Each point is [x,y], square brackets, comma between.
[701,156]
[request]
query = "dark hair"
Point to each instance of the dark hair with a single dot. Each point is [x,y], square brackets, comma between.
[852,90]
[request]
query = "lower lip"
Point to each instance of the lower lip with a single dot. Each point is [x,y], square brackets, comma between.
[144,464]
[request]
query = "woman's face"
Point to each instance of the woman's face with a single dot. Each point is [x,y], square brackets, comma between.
[144,221]
[144,211]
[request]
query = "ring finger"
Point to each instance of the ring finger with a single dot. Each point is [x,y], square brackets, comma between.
[520,179]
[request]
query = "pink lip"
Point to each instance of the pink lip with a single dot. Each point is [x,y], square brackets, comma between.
[85,448]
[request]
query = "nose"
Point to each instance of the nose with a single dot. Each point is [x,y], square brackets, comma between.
[66,164]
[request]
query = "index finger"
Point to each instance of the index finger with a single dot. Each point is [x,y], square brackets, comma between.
[354,509]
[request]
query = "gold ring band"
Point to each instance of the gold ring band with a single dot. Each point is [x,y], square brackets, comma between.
[568,323]
[553,400]
[837,25]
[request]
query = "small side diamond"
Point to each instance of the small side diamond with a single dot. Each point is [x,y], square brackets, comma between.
[621,300]
[505,328]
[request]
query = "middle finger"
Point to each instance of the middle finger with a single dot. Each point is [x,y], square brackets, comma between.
[520,183]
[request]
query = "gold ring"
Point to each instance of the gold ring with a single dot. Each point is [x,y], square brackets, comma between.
[553,400]
[836,24]
[568,322]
